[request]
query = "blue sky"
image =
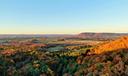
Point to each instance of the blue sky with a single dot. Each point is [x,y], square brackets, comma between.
[63,16]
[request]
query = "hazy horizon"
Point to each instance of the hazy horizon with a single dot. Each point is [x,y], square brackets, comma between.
[63,16]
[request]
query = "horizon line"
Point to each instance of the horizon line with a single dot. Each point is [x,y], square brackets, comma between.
[54,33]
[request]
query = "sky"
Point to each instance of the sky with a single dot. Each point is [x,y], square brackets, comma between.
[63,16]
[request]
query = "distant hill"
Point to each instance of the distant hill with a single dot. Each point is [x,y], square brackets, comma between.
[91,35]
[121,43]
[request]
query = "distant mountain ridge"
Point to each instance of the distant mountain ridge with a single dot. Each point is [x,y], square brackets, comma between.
[91,35]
